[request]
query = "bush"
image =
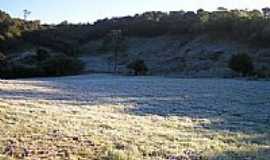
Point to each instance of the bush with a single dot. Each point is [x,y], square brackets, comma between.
[52,66]
[61,65]
[138,67]
[242,63]
[42,54]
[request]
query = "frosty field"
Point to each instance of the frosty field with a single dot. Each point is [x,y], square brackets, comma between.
[110,117]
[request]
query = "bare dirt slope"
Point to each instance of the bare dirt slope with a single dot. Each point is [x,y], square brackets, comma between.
[117,117]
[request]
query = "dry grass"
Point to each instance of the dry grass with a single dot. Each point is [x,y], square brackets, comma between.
[46,129]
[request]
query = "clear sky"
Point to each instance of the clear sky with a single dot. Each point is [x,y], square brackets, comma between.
[55,11]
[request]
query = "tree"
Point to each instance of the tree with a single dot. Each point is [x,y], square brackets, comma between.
[241,63]
[138,67]
[200,11]
[26,13]
[222,9]
[203,18]
[266,12]
[255,14]
[64,23]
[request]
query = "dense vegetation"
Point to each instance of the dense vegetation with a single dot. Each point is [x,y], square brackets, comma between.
[14,35]
[40,65]
[244,25]
[251,27]
[12,30]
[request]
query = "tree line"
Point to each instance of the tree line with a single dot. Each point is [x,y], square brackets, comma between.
[245,25]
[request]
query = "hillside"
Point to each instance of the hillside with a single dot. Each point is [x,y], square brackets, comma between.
[183,56]
[180,43]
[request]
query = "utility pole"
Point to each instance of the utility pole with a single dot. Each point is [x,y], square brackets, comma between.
[266,12]
[26,13]
[117,36]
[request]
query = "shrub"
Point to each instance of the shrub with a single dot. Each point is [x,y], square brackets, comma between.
[52,66]
[61,65]
[242,63]
[42,54]
[138,67]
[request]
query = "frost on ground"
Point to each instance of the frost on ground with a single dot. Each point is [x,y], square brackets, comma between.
[116,117]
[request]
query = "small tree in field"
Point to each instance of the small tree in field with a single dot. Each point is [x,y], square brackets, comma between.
[242,63]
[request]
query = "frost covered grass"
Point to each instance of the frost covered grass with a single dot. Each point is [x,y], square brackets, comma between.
[125,118]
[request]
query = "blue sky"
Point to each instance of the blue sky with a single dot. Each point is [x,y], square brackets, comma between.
[55,11]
